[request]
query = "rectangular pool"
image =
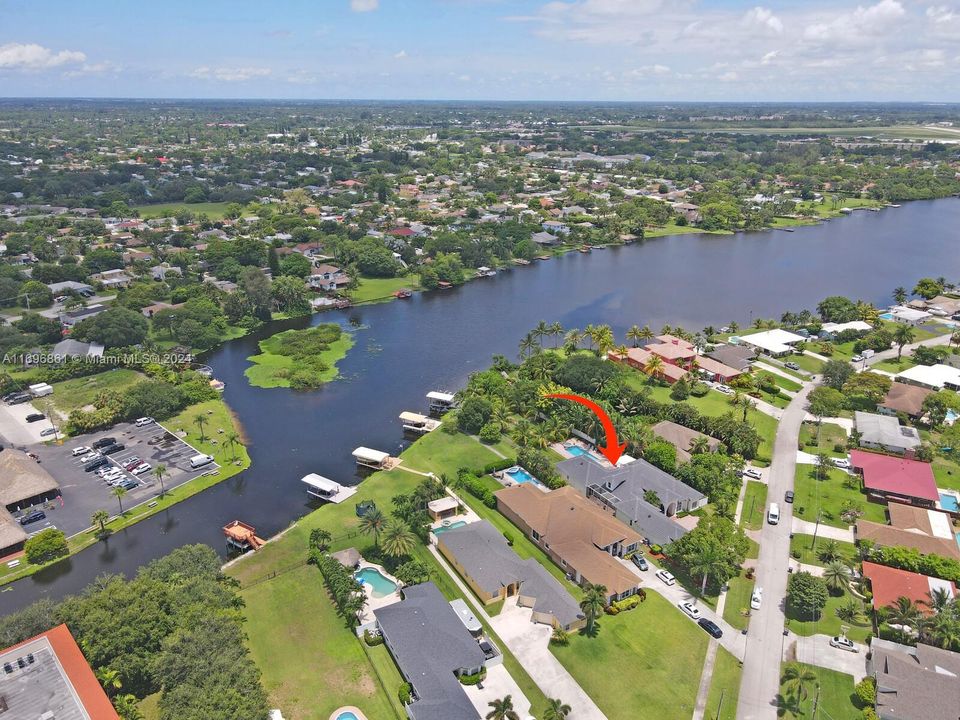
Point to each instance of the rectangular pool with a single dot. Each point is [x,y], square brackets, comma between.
[577,451]
[949,502]
[451,526]
[520,476]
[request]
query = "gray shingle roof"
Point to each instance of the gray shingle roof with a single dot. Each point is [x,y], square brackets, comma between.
[623,488]
[885,430]
[429,643]
[915,683]
[482,551]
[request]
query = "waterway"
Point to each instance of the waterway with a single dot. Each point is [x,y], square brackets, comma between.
[434,340]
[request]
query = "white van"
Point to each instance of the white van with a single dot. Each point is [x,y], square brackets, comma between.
[773,514]
[200,460]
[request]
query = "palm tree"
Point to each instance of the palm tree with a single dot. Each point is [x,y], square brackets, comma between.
[109,679]
[160,470]
[398,538]
[654,366]
[126,706]
[232,440]
[528,346]
[823,463]
[621,351]
[734,326]
[938,600]
[593,603]
[900,295]
[830,551]
[200,421]
[707,562]
[709,331]
[903,335]
[119,493]
[100,517]
[955,338]
[836,574]
[573,338]
[796,677]
[320,539]
[646,333]
[556,329]
[556,710]
[699,445]
[635,334]
[502,710]
[373,522]
[541,331]
[745,403]
[904,613]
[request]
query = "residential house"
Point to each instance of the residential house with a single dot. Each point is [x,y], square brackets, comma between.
[480,554]
[327,277]
[888,584]
[75,349]
[583,539]
[914,683]
[740,357]
[682,438]
[432,648]
[908,315]
[163,271]
[888,478]
[69,319]
[927,531]
[112,279]
[639,494]
[70,286]
[639,358]
[883,432]
[904,398]
[774,342]
[544,238]
[934,377]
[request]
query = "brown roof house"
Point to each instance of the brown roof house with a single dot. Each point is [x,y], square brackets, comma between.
[929,531]
[915,683]
[904,398]
[581,537]
[682,438]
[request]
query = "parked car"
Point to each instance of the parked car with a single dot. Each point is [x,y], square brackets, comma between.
[756,598]
[640,561]
[141,468]
[140,422]
[32,517]
[842,642]
[35,417]
[131,463]
[752,473]
[726,390]
[788,496]
[19,398]
[791,365]
[129,484]
[93,465]
[773,514]
[689,609]
[711,627]
[82,450]
[46,432]
[113,476]
[90,456]
[841,463]
[666,577]
[111,449]
[857,358]
[103,442]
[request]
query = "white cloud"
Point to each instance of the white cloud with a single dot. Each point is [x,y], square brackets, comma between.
[364,5]
[400,55]
[862,24]
[30,56]
[769,57]
[229,74]
[729,76]
[763,18]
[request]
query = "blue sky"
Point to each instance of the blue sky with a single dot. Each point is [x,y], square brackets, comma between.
[484,49]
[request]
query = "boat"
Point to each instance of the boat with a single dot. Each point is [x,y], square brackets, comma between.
[584,248]
[520,261]
[598,247]
[218,385]
[403,293]
[242,537]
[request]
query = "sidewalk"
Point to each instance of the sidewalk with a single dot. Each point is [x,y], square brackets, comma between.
[806,527]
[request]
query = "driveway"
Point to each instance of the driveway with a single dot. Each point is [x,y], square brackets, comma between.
[497,685]
[805,527]
[816,650]
[14,426]
[760,681]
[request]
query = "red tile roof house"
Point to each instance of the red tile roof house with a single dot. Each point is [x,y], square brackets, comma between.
[886,477]
[48,677]
[888,584]
[678,357]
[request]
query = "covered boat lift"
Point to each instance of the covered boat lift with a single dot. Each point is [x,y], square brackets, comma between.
[440,402]
[417,423]
[376,459]
[326,489]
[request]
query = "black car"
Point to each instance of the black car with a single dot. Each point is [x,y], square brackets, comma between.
[788,496]
[103,442]
[111,449]
[35,417]
[94,464]
[33,517]
[711,627]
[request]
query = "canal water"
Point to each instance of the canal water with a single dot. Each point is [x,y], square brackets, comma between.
[434,340]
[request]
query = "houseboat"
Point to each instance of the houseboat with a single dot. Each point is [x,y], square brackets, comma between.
[441,402]
[403,293]
[326,489]
[417,423]
[242,537]
[374,459]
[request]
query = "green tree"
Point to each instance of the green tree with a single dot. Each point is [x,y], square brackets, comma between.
[928,288]
[837,575]
[593,602]
[903,335]
[372,523]
[835,373]
[398,538]
[100,518]
[502,709]
[556,709]
[796,679]
[159,471]
[116,327]
[200,421]
[806,594]
[45,546]
[119,493]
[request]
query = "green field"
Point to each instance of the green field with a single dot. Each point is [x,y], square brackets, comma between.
[828,497]
[754,505]
[824,438]
[272,369]
[380,289]
[835,697]
[724,687]
[737,604]
[803,548]
[214,211]
[77,393]
[653,654]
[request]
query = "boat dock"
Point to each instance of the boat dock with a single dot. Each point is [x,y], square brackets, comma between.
[441,402]
[242,537]
[417,423]
[326,489]
[374,459]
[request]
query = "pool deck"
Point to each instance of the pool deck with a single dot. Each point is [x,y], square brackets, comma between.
[375,603]
[348,709]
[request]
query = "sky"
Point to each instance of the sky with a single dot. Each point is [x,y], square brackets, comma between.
[624,50]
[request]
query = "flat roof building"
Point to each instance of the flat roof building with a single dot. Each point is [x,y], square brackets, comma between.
[935,377]
[772,342]
[883,432]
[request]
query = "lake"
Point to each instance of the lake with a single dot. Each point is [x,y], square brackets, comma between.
[434,340]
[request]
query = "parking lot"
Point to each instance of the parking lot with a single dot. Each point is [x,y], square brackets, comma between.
[86,492]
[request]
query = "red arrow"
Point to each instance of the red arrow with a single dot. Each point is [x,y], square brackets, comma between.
[614,449]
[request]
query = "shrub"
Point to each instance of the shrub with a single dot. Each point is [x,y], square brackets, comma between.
[45,546]
[490,433]
[509,538]
[403,692]
[473,679]
[611,610]
[699,389]
[499,465]
[372,640]
[628,603]
[473,414]
[866,691]
[656,549]
[560,637]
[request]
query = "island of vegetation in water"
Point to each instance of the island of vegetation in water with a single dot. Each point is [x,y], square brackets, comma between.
[300,359]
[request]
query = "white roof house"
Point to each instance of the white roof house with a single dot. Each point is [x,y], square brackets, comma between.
[859,325]
[774,342]
[908,315]
[936,377]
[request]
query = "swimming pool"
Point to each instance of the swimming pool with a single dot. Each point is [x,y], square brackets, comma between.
[451,526]
[886,316]
[577,451]
[951,417]
[380,585]
[520,476]
[949,502]
[347,716]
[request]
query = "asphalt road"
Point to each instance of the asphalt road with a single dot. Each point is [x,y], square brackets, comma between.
[760,681]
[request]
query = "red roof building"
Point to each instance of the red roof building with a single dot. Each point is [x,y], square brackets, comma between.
[889,584]
[48,676]
[400,232]
[895,478]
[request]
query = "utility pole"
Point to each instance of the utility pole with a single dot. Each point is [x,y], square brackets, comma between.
[816,529]
[816,702]
[720,706]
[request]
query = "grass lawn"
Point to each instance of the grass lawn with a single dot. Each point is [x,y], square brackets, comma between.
[724,688]
[443,454]
[671,228]
[380,289]
[271,368]
[754,505]
[215,211]
[828,497]
[946,472]
[829,624]
[892,365]
[74,394]
[806,362]
[830,434]
[808,551]
[738,601]
[655,652]
[781,381]
[150,707]
[836,697]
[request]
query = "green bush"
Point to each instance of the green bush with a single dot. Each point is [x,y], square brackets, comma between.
[403,692]
[473,679]
[866,692]
[490,433]
[372,640]
[699,389]
[45,546]
[499,465]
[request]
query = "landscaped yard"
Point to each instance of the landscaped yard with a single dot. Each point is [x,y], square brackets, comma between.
[379,289]
[829,496]
[830,435]
[804,546]
[754,505]
[892,365]
[738,601]
[946,472]
[806,362]
[829,624]
[724,687]
[70,395]
[835,697]
[443,454]
[644,663]
[213,210]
